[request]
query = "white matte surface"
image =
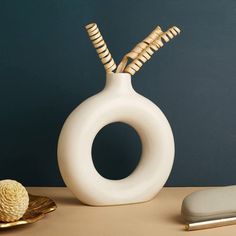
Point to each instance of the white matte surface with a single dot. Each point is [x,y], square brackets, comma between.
[118,102]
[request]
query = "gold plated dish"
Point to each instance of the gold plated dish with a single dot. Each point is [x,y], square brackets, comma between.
[39,206]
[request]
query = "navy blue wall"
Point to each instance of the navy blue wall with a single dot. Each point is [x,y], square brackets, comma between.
[48,66]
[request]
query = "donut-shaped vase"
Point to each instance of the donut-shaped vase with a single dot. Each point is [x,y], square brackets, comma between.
[117,102]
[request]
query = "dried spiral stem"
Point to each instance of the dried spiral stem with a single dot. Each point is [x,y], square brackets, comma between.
[14,200]
[101,47]
[151,46]
[139,48]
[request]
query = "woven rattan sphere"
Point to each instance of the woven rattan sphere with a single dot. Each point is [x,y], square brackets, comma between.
[14,200]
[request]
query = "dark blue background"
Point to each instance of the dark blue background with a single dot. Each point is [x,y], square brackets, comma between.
[48,66]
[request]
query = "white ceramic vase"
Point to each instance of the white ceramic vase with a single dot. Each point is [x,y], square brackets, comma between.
[117,102]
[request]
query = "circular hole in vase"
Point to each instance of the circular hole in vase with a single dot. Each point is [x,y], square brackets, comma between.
[116,151]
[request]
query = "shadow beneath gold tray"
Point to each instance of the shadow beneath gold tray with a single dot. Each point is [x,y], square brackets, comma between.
[15,229]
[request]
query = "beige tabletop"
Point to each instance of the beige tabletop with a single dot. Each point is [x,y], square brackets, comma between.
[161,216]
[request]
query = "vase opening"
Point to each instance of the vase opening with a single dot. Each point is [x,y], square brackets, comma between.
[116,151]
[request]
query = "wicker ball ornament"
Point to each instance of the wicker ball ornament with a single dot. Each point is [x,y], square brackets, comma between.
[14,200]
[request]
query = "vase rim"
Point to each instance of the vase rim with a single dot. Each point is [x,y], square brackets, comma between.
[118,73]
[119,82]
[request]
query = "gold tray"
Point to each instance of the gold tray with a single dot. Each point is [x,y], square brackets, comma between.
[38,207]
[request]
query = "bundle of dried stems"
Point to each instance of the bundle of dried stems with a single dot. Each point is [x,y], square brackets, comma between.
[141,53]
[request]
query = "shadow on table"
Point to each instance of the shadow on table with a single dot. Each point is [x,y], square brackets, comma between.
[68,200]
[16,229]
[177,219]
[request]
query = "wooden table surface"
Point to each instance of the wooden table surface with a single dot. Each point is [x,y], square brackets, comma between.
[161,216]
